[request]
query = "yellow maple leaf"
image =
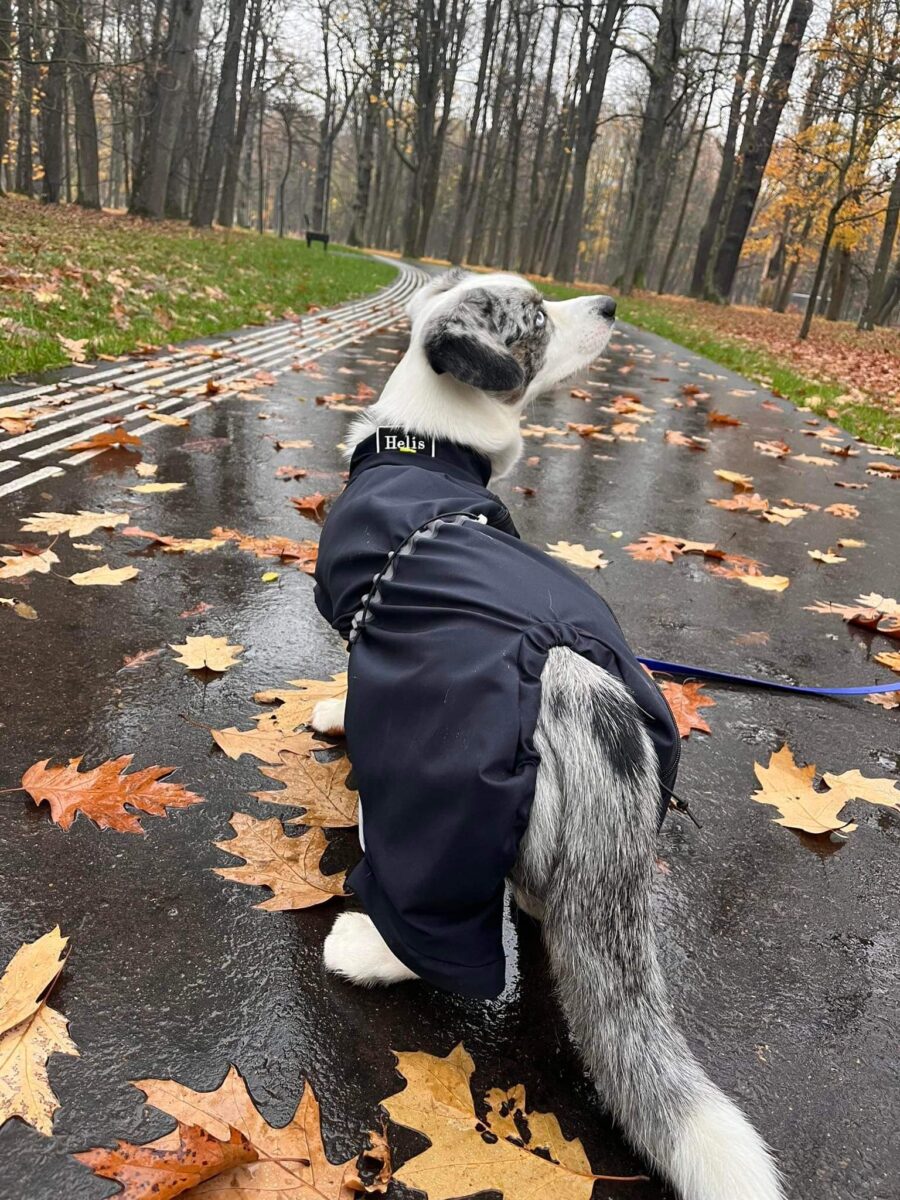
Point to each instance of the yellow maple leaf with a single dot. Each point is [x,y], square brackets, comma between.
[76,525]
[577,555]
[207,653]
[105,576]
[789,787]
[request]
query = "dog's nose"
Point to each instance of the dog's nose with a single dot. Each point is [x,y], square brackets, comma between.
[607,307]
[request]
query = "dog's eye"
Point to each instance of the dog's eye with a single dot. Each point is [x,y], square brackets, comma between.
[540,318]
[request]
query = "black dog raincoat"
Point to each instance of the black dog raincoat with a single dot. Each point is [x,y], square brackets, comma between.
[450,617]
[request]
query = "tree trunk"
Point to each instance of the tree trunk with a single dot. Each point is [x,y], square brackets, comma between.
[51,118]
[701,279]
[24,181]
[6,87]
[883,257]
[466,186]
[819,275]
[753,165]
[529,233]
[364,165]
[236,143]
[645,204]
[162,122]
[593,68]
[839,284]
[221,132]
[81,78]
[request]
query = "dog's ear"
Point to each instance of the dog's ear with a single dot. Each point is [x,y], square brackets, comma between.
[472,358]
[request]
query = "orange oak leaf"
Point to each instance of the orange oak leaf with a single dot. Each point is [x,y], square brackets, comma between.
[303,553]
[292,1163]
[714,417]
[171,1165]
[102,793]
[742,503]
[685,702]
[848,511]
[676,438]
[312,506]
[106,439]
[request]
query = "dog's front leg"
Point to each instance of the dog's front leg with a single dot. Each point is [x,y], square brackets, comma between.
[356,950]
[328,716]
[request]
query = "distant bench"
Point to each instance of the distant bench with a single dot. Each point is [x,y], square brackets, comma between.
[316,235]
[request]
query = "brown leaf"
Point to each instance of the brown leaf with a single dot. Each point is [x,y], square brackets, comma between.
[675,438]
[292,1163]
[714,417]
[76,525]
[30,971]
[297,700]
[106,439]
[207,653]
[290,473]
[813,460]
[890,658]
[288,550]
[101,794]
[742,503]
[685,701]
[288,866]
[773,449]
[312,506]
[885,699]
[318,787]
[267,743]
[849,512]
[15,566]
[161,1170]
[175,545]
[660,547]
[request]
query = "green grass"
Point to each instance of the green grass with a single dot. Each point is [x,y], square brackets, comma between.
[871,422]
[121,283]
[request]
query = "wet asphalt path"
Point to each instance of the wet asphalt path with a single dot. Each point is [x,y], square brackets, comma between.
[782,952]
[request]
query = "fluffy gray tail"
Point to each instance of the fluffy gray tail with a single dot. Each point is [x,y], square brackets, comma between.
[589,856]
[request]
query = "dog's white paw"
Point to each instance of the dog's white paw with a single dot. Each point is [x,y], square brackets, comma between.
[356,950]
[328,716]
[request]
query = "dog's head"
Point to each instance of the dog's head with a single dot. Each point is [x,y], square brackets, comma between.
[498,334]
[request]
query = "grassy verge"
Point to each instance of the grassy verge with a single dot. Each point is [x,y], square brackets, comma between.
[870,417]
[109,284]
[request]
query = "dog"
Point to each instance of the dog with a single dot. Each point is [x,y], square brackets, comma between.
[481,348]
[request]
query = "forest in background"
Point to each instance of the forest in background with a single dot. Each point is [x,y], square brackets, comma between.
[736,150]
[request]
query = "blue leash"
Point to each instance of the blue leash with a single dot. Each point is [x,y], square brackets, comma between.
[656,664]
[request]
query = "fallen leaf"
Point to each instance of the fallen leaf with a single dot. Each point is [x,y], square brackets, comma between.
[162,1170]
[741,483]
[782,516]
[685,701]
[132,661]
[813,461]
[773,449]
[859,487]
[146,489]
[675,438]
[303,553]
[198,610]
[577,555]
[30,971]
[292,1164]
[525,1157]
[146,470]
[890,658]
[850,543]
[17,565]
[291,473]
[318,787]
[766,583]
[93,546]
[105,576]
[883,469]
[312,506]
[102,793]
[74,347]
[266,743]
[825,556]
[107,439]
[76,525]
[848,511]
[175,545]
[885,699]
[583,430]
[297,700]
[295,444]
[742,503]
[714,417]
[20,608]
[166,419]
[288,866]
[207,653]
[30,1031]
[789,788]
[660,547]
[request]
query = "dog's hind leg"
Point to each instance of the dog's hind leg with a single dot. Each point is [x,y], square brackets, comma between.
[588,855]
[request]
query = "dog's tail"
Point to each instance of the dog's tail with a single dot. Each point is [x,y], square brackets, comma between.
[600,937]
